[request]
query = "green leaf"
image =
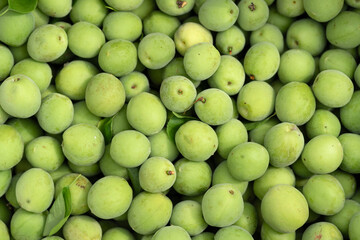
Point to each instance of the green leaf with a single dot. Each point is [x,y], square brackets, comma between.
[22,6]
[252,125]
[175,122]
[4,10]
[105,126]
[59,213]
[133,174]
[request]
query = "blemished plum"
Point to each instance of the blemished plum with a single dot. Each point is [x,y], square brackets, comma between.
[231,41]
[323,230]
[175,8]
[77,227]
[134,83]
[252,14]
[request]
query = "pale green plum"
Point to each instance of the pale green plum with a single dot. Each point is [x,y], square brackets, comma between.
[230,134]
[349,114]
[333,88]
[227,9]
[27,225]
[272,177]
[342,219]
[188,215]
[323,11]
[190,34]
[56,9]
[281,21]
[44,152]
[85,39]
[204,236]
[130,148]
[300,170]
[82,227]
[149,212]
[324,194]
[40,17]
[79,188]
[126,5]
[83,144]
[248,219]
[256,101]
[19,53]
[60,172]
[3,116]
[222,205]
[47,43]
[83,115]
[145,8]
[56,113]
[229,77]
[201,61]
[118,233]
[234,233]
[267,233]
[177,93]
[354,231]
[163,146]
[213,106]
[222,175]
[146,113]
[109,167]
[156,50]
[176,233]
[104,95]
[11,147]
[175,68]
[308,35]
[290,8]
[35,190]
[88,171]
[323,230]
[114,28]
[323,122]
[7,62]
[16,27]
[74,77]
[158,21]
[284,143]
[284,208]
[231,41]
[351,160]
[50,89]
[109,197]
[341,31]
[175,8]
[20,96]
[134,83]
[193,178]
[248,161]
[4,232]
[111,57]
[295,103]
[196,140]
[5,180]
[262,61]
[338,59]
[92,11]
[268,33]
[253,14]
[348,182]
[120,122]
[258,134]
[296,65]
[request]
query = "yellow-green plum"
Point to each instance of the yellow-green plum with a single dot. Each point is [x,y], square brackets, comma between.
[281,21]
[4,232]
[233,232]
[175,8]
[267,233]
[213,106]
[118,233]
[248,219]
[284,142]
[35,190]
[134,83]
[262,61]
[323,11]
[158,21]
[354,231]
[348,182]
[149,212]
[290,8]
[323,122]
[7,61]
[20,96]
[56,9]
[258,134]
[109,167]
[130,148]
[19,53]
[56,113]
[227,9]
[268,33]
[10,194]
[144,9]
[47,43]
[222,205]
[120,122]
[114,28]
[83,115]
[325,230]
[27,225]
[175,68]
[74,77]
[295,103]
[349,114]
[333,88]
[231,41]
[201,61]
[111,57]
[82,227]
[146,113]
[338,59]
[196,140]
[11,147]
[92,11]
[163,146]
[83,144]
[322,154]
[351,160]
[324,194]
[109,197]
[253,14]
[85,39]
[88,171]
[284,208]
[79,188]
[193,178]
[5,180]
[176,233]
[126,5]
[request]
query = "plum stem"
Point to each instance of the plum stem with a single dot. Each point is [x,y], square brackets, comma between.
[181,4]
[252,7]
[169,172]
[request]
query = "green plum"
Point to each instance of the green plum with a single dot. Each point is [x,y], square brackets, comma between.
[82,227]
[248,219]
[176,233]
[109,167]
[114,28]
[290,8]
[163,146]
[338,59]
[231,41]
[268,33]
[92,11]
[267,233]
[349,114]
[233,232]
[253,14]
[351,160]
[7,60]
[27,225]
[11,147]
[354,232]
[175,8]
[134,83]
[158,21]
[323,122]
[83,115]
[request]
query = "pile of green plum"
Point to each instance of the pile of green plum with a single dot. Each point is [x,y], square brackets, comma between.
[179,120]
